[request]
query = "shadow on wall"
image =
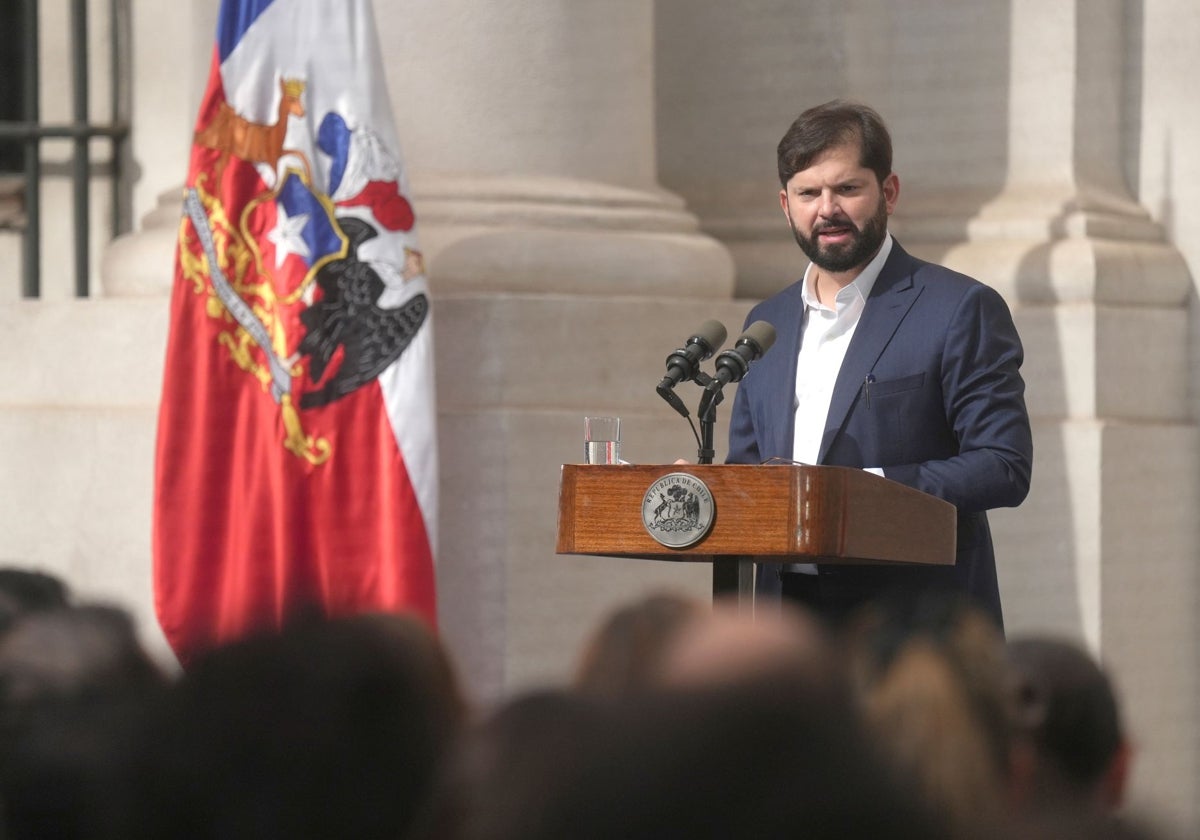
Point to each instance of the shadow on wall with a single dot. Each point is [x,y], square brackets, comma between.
[1044,540]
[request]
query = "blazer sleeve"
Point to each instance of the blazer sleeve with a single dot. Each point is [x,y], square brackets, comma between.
[984,404]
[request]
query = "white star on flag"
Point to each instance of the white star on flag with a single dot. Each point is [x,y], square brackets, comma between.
[286,236]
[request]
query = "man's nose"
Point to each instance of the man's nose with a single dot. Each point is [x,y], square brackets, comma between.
[828,207]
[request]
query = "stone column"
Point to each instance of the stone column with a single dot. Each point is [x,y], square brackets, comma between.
[529,130]
[1112,293]
[1105,547]
[563,275]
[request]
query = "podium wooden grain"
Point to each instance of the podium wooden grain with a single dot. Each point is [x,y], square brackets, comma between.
[766,514]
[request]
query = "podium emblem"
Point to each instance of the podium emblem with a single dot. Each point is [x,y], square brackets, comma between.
[677,510]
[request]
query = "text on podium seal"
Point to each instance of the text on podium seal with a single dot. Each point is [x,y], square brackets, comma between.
[677,510]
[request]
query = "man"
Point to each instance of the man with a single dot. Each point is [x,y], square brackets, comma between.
[883,362]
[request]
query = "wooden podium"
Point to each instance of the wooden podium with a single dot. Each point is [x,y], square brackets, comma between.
[760,514]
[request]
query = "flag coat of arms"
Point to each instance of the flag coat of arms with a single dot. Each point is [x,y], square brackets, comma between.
[296,461]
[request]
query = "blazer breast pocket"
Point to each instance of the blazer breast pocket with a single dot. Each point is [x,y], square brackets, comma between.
[887,387]
[893,413]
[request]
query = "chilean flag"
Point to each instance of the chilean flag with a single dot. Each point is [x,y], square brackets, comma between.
[296,462]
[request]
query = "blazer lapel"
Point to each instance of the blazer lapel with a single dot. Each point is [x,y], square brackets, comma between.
[891,299]
[779,365]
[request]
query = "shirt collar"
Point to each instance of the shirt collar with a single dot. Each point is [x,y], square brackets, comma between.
[860,287]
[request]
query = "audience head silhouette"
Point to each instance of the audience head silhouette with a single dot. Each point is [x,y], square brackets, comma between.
[763,756]
[326,729]
[682,720]
[625,652]
[28,590]
[1081,755]
[74,681]
[935,691]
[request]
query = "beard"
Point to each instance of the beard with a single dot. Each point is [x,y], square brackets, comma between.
[859,251]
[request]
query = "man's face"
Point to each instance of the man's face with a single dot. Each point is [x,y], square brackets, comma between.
[838,211]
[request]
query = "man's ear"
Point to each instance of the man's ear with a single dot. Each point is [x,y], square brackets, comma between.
[783,204]
[891,192]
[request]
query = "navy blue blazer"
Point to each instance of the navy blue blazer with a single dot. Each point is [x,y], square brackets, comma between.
[930,390]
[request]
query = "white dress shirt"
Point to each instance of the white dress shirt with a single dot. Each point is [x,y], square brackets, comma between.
[826,336]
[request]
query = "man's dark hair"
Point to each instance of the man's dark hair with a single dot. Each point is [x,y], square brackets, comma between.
[834,124]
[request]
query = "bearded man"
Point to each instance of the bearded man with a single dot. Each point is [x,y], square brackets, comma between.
[883,362]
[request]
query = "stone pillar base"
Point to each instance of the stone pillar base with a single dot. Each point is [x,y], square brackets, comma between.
[552,235]
[142,263]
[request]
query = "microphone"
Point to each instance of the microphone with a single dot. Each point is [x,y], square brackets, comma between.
[684,362]
[733,364]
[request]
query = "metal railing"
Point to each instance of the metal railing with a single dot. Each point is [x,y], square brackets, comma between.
[30,131]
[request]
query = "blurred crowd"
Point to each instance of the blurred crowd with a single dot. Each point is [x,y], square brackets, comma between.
[682,719]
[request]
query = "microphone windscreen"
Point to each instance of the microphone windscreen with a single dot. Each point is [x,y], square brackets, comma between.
[712,333]
[762,334]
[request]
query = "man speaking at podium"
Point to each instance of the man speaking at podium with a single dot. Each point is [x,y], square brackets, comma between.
[883,362]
